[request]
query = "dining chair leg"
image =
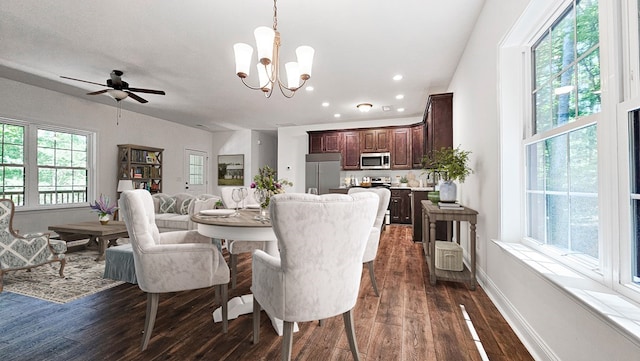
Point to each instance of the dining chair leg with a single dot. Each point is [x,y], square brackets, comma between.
[372,275]
[287,340]
[321,322]
[150,320]
[351,334]
[234,270]
[225,307]
[256,321]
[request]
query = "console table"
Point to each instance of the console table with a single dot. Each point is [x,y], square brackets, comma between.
[431,214]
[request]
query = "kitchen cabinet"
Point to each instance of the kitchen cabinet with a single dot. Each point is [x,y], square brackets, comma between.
[400,206]
[374,140]
[438,118]
[417,145]
[401,148]
[325,142]
[442,229]
[351,150]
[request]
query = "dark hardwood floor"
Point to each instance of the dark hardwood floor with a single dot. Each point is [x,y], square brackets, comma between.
[411,320]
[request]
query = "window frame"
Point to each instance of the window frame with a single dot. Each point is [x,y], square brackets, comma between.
[31,196]
[594,270]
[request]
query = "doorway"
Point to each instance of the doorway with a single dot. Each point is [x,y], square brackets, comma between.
[196,170]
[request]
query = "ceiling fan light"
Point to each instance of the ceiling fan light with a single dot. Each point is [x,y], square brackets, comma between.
[118,95]
[264,43]
[364,107]
[243,53]
[305,61]
[293,74]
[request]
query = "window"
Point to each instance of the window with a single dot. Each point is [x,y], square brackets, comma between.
[561,149]
[634,151]
[58,159]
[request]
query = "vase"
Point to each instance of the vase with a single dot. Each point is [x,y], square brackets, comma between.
[448,191]
[104,219]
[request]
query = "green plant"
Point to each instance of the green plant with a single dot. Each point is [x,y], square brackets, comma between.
[404,180]
[449,163]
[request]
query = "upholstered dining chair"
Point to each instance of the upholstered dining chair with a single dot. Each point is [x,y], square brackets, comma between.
[234,246]
[18,252]
[317,275]
[170,261]
[370,253]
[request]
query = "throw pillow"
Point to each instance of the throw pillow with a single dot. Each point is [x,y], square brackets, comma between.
[167,204]
[184,206]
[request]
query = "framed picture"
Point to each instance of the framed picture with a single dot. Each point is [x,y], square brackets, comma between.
[231,170]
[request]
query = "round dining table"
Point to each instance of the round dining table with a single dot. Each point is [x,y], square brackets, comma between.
[245,225]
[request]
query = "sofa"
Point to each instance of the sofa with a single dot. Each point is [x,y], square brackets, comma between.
[173,212]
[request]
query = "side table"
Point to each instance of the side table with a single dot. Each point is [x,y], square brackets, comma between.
[432,213]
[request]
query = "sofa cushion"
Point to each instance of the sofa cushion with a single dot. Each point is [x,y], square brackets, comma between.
[172,221]
[182,202]
[167,203]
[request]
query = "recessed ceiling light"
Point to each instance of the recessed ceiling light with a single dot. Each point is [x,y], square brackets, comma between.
[400,96]
[400,109]
[336,115]
[397,77]
[325,104]
[386,108]
[309,88]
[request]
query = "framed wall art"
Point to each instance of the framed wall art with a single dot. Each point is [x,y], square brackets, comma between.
[231,170]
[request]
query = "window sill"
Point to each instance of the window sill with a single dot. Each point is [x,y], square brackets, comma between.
[611,307]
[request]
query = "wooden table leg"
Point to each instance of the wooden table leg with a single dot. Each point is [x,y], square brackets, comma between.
[102,248]
[472,250]
[432,252]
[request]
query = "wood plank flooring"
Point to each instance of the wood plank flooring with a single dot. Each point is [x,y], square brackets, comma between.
[411,320]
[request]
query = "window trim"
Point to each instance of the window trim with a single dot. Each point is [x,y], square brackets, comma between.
[31,164]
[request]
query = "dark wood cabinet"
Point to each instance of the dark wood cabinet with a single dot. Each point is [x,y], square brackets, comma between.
[417,145]
[439,121]
[401,148]
[351,150]
[374,140]
[325,142]
[400,206]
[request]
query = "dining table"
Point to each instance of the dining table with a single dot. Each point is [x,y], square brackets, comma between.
[246,225]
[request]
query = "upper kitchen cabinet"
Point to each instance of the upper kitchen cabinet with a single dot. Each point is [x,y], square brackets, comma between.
[325,142]
[439,120]
[351,150]
[374,141]
[401,148]
[417,145]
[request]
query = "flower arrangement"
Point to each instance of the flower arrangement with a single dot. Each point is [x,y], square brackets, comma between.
[266,182]
[103,206]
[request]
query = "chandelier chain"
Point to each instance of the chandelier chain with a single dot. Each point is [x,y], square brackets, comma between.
[275,15]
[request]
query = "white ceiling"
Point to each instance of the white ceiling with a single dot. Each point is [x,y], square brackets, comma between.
[186,49]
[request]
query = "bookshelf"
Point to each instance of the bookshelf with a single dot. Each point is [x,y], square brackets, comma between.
[141,164]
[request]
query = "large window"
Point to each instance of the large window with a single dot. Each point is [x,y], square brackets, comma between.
[561,149]
[44,166]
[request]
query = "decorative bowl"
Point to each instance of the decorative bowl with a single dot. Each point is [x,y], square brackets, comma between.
[434,197]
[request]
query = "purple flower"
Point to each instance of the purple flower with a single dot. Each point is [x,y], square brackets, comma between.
[253,184]
[103,205]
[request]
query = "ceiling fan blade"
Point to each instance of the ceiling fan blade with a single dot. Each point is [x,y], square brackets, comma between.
[98,92]
[84,81]
[136,97]
[150,91]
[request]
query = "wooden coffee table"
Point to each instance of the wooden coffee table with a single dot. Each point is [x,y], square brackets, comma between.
[105,235]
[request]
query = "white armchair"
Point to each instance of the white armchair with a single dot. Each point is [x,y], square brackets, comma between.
[371,251]
[321,241]
[171,261]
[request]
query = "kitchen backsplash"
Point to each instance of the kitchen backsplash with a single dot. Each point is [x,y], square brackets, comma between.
[392,174]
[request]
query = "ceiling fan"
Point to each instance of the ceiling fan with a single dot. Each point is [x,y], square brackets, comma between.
[119,89]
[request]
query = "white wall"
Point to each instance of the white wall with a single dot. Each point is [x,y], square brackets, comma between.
[549,321]
[25,102]
[293,145]
[259,149]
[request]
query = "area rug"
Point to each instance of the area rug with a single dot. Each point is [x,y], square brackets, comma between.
[82,277]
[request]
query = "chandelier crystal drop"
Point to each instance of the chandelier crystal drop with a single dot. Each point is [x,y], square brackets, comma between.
[268,66]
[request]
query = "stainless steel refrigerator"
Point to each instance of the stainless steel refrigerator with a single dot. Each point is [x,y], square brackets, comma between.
[323,171]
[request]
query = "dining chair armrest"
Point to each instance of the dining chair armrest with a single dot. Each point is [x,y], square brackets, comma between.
[267,283]
[179,237]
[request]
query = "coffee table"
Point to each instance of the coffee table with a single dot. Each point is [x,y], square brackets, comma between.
[105,235]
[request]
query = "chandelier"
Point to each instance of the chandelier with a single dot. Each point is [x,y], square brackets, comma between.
[268,48]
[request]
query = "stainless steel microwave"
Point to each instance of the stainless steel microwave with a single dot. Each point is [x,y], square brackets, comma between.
[375,160]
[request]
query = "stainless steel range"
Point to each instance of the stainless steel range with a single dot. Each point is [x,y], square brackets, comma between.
[381,182]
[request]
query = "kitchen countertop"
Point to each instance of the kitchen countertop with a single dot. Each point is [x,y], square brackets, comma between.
[415,189]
